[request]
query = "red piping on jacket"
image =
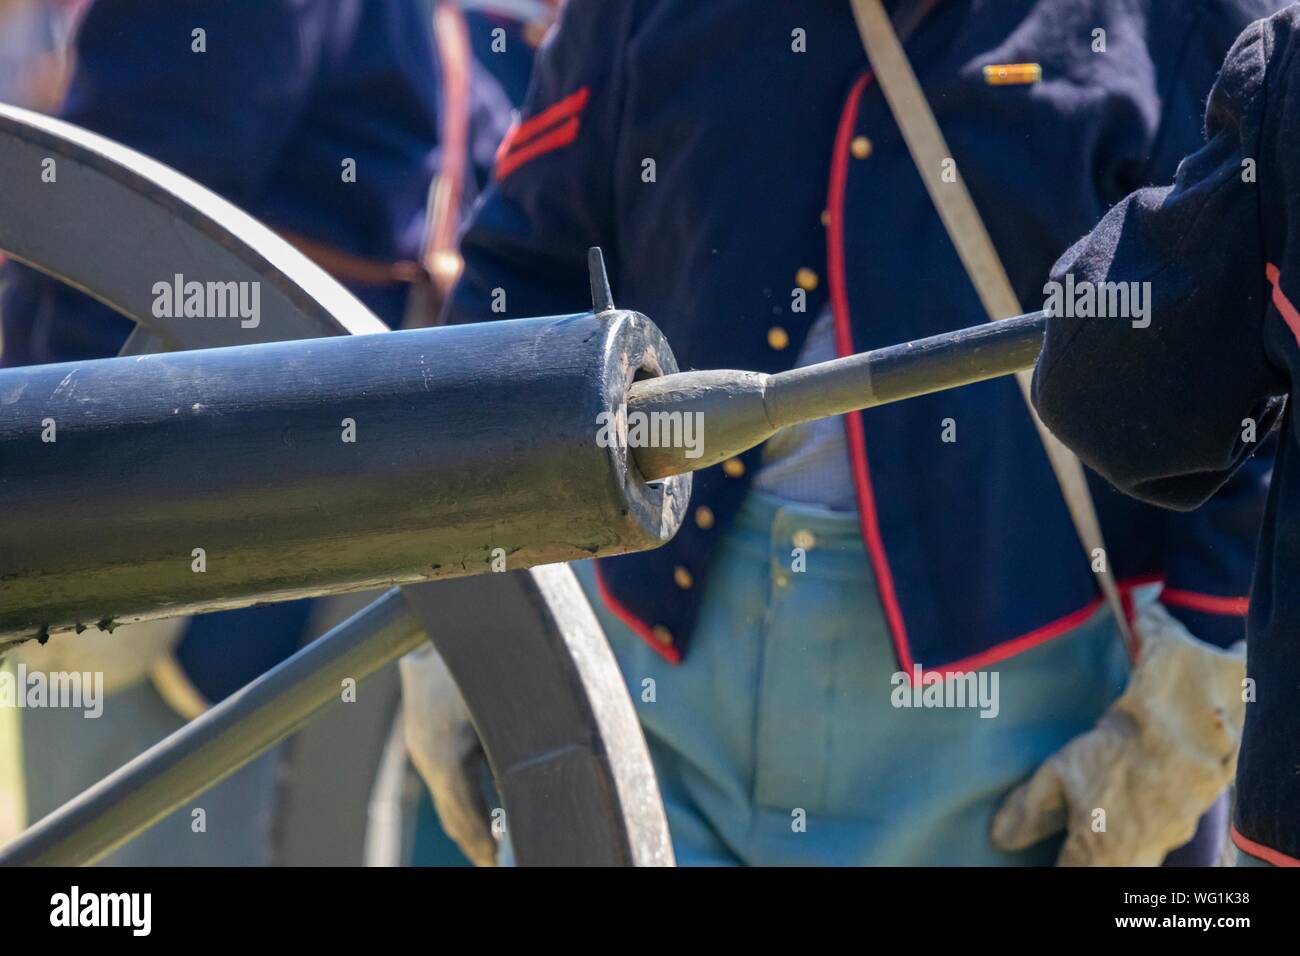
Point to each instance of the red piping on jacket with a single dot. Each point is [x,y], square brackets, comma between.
[1205,603]
[844,346]
[637,626]
[1259,851]
[1041,635]
[867,514]
[1280,302]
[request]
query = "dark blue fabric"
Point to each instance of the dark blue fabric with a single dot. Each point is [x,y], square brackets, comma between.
[222,652]
[741,129]
[1160,411]
[511,67]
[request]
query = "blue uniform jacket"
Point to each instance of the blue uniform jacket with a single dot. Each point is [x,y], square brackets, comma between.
[738,186]
[1162,412]
[285,91]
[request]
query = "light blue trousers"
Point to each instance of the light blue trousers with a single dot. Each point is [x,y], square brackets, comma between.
[776,742]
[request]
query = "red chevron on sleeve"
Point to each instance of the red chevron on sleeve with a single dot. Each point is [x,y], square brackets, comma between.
[553,127]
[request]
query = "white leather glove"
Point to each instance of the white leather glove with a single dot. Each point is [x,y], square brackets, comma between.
[124,657]
[446,751]
[1154,763]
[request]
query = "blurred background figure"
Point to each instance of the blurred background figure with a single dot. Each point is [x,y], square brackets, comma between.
[359,131]
[34,59]
[499,36]
[35,56]
[505,35]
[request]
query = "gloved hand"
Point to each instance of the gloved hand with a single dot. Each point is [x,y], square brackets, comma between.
[1155,761]
[446,751]
[124,657]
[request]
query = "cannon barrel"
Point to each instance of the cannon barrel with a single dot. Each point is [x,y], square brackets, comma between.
[156,485]
[738,410]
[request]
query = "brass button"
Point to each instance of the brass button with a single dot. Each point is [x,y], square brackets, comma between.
[826,217]
[782,581]
[662,634]
[805,539]
[806,279]
[683,578]
[778,337]
[704,517]
[733,467]
[860,147]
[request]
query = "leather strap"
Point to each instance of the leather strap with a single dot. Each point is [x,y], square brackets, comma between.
[352,269]
[440,256]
